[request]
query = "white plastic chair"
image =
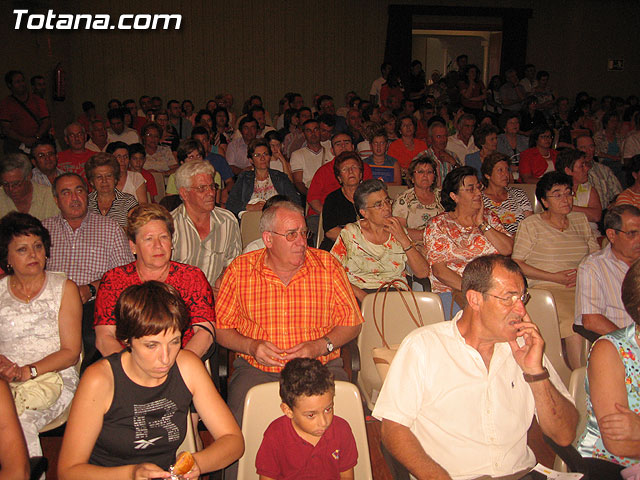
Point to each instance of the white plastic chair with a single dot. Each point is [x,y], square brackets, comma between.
[397,325]
[542,310]
[250,227]
[320,236]
[395,191]
[262,406]
[579,394]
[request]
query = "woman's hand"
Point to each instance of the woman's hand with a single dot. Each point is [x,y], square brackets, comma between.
[478,219]
[566,277]
[9,371]
[621,426]
[148,471]
[194,472]
[394,227]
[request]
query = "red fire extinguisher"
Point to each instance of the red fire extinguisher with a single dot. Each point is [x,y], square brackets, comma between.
[59,88]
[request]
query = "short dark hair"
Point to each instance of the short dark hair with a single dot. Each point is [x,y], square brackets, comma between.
[202,112]
[541,74]
[460,57]
[478,274]
[273,135]
[607,117]
[255,143]
[422,160]
[44,140]
[88,105]
[188,146]
[135,148]
[613,217]
[327,119]
[343,157]
[486,170]
[481,134]
[404,117]
[304,377]
[365,189]
[199,130]
[34,78]
[567,158]
[8,77]
[536,132]
[452,183]
[115,113]
[113,146]
[54,185]
[634,164]
[505,117]
[550,180]
[171,102]
[15,224]
[218,110]
[102,159]
[148,309]
[245,120]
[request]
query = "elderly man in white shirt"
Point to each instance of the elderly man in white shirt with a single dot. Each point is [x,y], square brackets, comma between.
[599,308]
[205,236]
[461,395]
[462,143]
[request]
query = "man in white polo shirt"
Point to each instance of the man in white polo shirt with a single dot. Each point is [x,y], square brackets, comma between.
[308,159]
[460,395]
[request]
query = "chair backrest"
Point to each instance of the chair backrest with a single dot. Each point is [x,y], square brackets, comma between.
[579,394]
[530,190]
[262,406]
[398,324]
[159,178]
[395,190]
[320,235]
[250,227]
[542,310]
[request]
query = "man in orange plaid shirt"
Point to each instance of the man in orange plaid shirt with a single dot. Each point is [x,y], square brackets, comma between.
[283,302]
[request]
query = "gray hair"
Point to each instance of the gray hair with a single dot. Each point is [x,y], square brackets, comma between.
[268,219]
[66,129]
[365,189]
[437,124]
[15,161]
[188,170]
[613,217]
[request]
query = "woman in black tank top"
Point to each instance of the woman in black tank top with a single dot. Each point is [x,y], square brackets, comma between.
[131,409]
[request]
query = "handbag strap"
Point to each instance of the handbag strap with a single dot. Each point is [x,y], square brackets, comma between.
[385,287]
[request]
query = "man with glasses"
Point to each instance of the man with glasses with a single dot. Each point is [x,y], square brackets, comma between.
[282,302]
[599,308]
[20,193]
[44,159]
[205,236]
[460,395]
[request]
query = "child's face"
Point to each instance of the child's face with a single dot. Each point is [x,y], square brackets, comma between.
[311,416]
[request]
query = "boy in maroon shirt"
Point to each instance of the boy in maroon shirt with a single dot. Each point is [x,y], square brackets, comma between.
[308,441]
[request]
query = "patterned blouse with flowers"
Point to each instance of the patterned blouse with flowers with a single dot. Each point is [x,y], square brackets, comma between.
[417,214]
[590,443]
[446,241]
[369,265]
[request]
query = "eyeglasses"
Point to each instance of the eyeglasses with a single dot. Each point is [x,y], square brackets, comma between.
[12,185]
[631,233]
[545,136]
[387,202]
[41,156]
[561,195]
[291,235]
[353,168]
[205,188]
[261,155]
[478,187]
[510,301]
[194,156]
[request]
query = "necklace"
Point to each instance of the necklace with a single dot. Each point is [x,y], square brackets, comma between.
[20,287]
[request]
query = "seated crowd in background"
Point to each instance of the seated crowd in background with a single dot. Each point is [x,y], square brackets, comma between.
[460,148]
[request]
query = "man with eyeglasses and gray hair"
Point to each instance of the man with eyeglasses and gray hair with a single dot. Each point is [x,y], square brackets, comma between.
[20,193]
[205,236]
[281,302]
[44,158]
[460,396]
[599,308]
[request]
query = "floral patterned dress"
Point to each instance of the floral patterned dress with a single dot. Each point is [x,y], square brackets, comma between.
[369,265]
[417,214]
[446,241]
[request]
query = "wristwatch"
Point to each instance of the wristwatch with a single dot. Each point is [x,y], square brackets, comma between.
[536,378]
[484,227]
[330,346]
[33,371]
[92,289]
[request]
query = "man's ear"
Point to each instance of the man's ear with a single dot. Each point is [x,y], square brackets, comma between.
[610,233]
[267,239]
[286,409]
[474,299]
